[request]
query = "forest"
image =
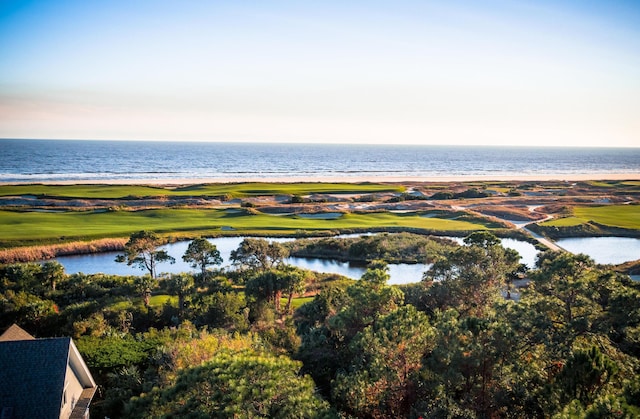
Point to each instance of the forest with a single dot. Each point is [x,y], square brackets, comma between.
[265,339]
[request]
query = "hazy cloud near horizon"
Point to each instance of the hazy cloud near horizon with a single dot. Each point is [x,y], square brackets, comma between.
[461,72]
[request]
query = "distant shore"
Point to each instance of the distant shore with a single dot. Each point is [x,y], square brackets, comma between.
[342,179]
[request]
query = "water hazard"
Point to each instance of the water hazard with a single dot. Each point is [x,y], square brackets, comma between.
[601,249]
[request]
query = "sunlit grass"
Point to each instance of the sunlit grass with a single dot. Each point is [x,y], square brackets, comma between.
[163,299]
[237,190]
[296,302]
[623,216]
[23,227]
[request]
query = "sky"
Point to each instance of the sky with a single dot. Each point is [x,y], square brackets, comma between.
[456,72]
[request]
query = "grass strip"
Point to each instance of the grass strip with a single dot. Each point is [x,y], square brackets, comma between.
[23,227]
[236,190]
[622,216]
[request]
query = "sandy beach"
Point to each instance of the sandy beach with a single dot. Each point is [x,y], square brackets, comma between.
[345,179]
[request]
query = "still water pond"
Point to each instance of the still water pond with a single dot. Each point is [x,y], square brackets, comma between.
[601,249]
[605,250]
[105,263]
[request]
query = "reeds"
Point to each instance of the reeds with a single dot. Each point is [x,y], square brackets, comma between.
[34,253]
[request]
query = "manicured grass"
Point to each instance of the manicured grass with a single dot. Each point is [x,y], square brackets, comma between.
[155,301]
[162,299]
[624,216]
[22,227]
[613,183]
[564,222]
[237,190]
[296,302]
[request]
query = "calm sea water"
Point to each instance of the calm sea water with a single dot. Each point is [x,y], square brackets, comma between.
[49,160]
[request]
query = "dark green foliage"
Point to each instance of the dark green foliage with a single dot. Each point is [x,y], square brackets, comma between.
[107,353]
[585,375]
[448,347]
[470,278]
[469,193]
[399,247]
[258,254]
[387,356]
[142,251]
[202,253]
[220,310]
[247,385]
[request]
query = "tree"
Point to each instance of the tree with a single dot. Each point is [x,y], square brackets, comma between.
[482,239]
[293,281]
[52,272]
[144,285]
[377,273]
[585,375]
[142,250]
[259,254]
[180,285]
[469,278]
[383,377]
[202,253]
[247,385]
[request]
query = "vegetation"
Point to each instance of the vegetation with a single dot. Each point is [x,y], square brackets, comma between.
[233,190]
[621,216]
[20,228]
[263,339]
[393,248]
[201,253]
[31,253]
[142,251]
[229,343]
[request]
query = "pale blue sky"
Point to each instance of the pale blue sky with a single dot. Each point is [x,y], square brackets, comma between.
[423,72]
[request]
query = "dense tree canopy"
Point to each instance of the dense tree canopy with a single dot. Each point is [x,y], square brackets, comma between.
[451,346]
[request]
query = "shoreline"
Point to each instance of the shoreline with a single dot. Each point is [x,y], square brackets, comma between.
[341,179]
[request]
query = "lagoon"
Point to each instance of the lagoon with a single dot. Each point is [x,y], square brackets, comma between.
[601,249]
[105,262]
[604,250]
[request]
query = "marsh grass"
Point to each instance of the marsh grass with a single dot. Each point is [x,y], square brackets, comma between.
[43,252]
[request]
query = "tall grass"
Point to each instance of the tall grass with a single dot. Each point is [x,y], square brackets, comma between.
[33,253]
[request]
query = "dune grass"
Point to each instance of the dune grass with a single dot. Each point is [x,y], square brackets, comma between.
[623,216]
[28,227]
[236,190]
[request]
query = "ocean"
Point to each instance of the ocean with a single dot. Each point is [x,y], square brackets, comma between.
[77,160]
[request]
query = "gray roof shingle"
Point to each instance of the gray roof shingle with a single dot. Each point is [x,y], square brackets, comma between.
[32,374]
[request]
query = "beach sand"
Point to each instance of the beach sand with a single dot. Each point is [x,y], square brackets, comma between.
[345,179]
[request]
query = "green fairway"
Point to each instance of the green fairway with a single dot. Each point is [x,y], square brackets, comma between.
[623,216]
[21,227]
[237,190]
[296,302]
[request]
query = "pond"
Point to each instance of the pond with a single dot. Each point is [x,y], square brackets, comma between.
[602,249]
[605,250]
[105,262]
[527,251]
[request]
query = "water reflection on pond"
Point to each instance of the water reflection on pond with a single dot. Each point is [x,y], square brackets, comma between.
[105,262]
[601,249]
[605,250]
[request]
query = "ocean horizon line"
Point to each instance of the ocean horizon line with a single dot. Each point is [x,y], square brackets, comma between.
[321,143]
